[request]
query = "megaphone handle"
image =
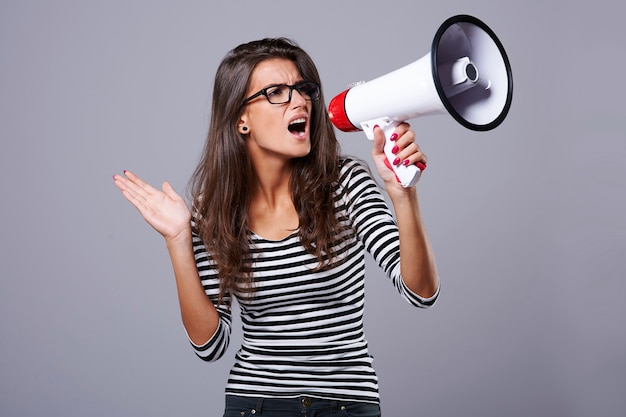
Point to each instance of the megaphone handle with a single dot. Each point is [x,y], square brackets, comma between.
[407,175]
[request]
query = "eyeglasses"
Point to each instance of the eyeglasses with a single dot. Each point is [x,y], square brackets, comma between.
[281,94]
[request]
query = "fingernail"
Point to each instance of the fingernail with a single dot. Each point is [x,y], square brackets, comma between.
[375,126]
[396,161]
[393,137]
[406,162]
[395,149]
[421,166]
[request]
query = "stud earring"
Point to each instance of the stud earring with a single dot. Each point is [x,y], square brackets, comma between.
[245,128]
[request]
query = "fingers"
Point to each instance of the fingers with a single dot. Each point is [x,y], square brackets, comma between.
[398,136]
[136,191]
[139,192]
[132,183]
[406,151]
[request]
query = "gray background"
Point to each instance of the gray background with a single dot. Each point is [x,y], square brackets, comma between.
[527,220]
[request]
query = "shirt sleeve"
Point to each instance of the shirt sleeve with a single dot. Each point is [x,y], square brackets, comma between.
[376,227]
[216,346]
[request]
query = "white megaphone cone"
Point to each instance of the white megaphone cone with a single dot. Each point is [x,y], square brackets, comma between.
[467,74]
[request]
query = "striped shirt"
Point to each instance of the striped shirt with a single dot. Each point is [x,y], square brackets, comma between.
[303,329]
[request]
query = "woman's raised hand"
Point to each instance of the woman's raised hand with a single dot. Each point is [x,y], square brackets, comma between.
[165,211]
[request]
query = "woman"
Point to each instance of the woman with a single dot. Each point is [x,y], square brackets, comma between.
[281,222]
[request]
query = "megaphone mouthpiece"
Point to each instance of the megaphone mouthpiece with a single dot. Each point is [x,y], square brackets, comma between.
[338,115]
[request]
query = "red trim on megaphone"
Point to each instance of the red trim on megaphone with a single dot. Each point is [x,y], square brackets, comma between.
[337,113]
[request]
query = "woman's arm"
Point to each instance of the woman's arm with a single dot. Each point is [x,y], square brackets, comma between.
[417,260]
[198,313]
[169,215]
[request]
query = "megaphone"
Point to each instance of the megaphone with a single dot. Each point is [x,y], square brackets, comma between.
[466,74]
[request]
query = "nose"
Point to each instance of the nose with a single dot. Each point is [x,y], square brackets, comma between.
[297,99]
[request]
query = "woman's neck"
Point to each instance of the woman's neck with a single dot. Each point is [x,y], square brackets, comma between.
[272,214]
[272,182]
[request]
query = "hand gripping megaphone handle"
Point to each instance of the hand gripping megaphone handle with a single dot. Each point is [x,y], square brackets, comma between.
[407,175]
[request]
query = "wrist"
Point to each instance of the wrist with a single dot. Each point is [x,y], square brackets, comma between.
[182,238]
[396,191]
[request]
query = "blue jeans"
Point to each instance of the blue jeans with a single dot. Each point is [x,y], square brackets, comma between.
[303,406]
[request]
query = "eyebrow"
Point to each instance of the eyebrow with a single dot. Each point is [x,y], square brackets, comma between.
[278,84]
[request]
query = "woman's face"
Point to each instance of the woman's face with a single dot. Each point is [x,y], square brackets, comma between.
[276,131]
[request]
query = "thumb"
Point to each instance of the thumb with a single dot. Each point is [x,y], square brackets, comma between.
[379,142]
[169,190]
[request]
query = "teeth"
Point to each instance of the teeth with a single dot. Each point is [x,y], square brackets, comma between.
[300,120]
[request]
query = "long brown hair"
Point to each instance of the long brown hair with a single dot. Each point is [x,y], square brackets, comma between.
[221,185]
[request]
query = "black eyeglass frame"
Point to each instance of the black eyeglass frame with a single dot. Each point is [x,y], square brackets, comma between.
[295,86]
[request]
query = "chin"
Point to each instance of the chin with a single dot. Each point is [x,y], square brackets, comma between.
[302,147]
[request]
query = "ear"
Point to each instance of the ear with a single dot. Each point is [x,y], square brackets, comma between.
[242,127]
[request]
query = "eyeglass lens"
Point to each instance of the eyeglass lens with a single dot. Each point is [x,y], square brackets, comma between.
[281,93]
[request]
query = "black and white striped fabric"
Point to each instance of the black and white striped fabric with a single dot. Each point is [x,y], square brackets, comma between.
[303,329]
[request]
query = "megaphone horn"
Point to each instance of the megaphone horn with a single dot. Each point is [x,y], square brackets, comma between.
[466,74]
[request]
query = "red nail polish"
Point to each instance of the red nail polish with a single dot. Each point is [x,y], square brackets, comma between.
[396,161]
[406,162]
[421,166]
[395,149]
[393,137]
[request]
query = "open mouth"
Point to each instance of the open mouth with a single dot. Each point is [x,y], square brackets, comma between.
[298,126]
